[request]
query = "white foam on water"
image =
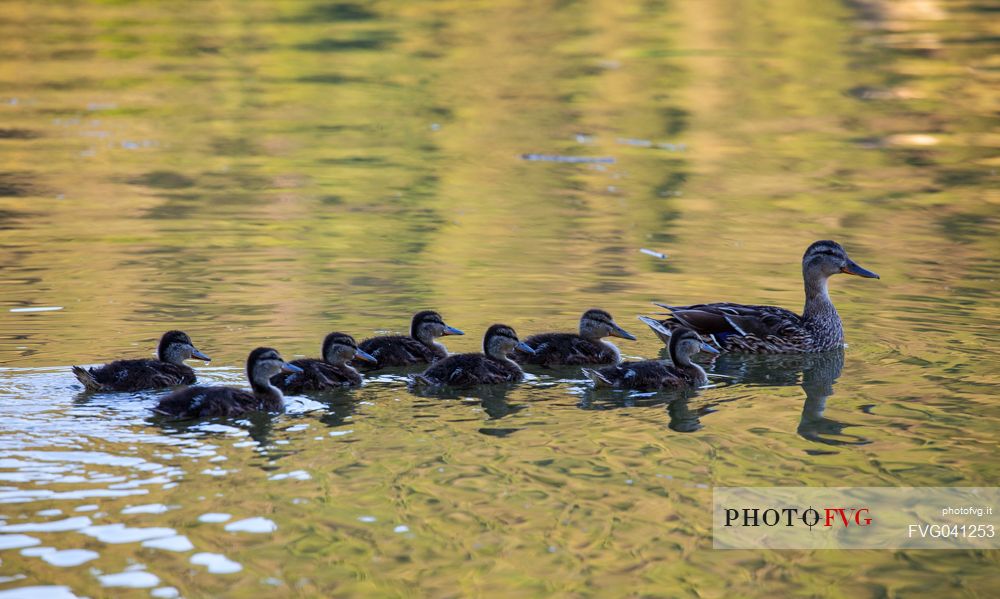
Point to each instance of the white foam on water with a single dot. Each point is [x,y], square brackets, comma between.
[152,508]
[132,580]
[165,593]
[119,533]
[37,309]
[367,519]
[48,512]
[178,543]
[216,563]
[254,525]
[75,523]
[340,433]
[39,592]
[401,529]
[213,517]
[17,541]
[65,558]
[295,475]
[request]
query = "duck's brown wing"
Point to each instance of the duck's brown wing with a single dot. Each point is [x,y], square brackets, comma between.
[744,319]
[207,402]
[552,349]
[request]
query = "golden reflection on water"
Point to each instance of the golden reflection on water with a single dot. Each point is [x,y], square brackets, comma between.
[264,173]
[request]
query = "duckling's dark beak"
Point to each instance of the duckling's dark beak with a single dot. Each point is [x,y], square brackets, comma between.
[617,331]
[451,331]
[854,269]
[521,345]
[286,367]
[200,356]
[708,348]
[365,356]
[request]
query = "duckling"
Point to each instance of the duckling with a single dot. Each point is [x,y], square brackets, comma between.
[226,402]
[648,375]
[419,348]
[168,370]
[489,368]
[332,372]
[554,349]
[770,329]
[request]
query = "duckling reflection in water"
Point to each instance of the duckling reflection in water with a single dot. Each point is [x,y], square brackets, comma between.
[571,349]
[489,368]
[647,375]
[227,402]
[419,348]
[332,372]
[167,370]
[770,329]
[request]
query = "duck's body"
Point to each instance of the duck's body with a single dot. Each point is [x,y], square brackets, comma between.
[572,349]
[168,370]
[769,329]
[649,375]
[419,347]
[489,368]
[332,372]
[228,402]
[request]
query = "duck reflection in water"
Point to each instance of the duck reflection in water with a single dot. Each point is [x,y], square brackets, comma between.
[492,398]
[816,373]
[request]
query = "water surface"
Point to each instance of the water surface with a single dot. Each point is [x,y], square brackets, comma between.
[264,173]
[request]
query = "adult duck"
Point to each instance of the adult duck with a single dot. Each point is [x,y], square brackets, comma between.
[770,329]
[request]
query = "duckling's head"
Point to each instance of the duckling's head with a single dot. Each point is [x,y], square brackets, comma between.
[340,348]
[685,343]
[500,340]
[428,325]
[824,259]
[263,363]
[597,324]
[176,346]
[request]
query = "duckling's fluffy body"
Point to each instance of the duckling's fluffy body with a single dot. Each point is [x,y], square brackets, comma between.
[135,375]
[489,368]
[572,349]
[419,347]
[469,370]
[228,402]
[332,372]
[168,370]
[648,375]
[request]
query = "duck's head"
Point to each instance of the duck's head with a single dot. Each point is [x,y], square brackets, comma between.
[263,363]
[597,324]
[500,340]
[824,259]
[176,346]
[428,325]
[340,348]
[685,343]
